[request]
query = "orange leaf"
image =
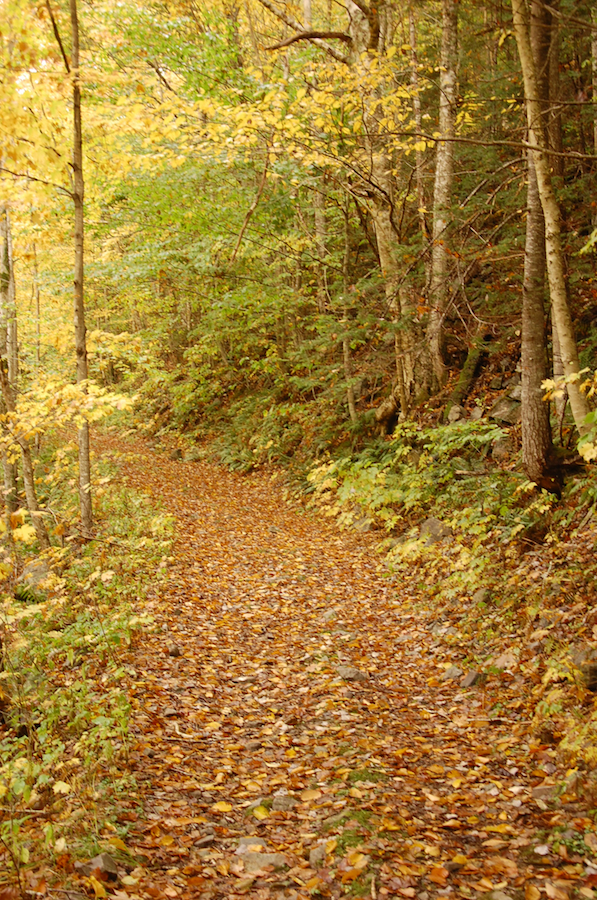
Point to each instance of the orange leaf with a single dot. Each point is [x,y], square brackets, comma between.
[438,875]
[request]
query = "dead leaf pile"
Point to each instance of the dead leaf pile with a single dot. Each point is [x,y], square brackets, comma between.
[293,734]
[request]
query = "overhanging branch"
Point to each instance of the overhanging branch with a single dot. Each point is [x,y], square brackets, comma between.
[311,36]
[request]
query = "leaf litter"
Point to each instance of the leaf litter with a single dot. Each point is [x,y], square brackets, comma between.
[291,733]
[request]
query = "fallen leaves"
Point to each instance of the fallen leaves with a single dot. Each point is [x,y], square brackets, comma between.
[266,729]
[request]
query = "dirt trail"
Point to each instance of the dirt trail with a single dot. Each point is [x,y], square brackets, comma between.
[304,714]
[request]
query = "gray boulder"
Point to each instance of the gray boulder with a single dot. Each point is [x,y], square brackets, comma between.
[433,531]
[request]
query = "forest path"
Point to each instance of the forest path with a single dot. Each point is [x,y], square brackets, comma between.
[249,735]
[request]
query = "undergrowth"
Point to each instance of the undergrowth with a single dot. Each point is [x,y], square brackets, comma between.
[65,672]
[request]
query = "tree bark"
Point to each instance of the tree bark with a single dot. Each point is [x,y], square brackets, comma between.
[442,191]
[7,291]
[350,398]
[416,100]
[551,212]
[27,462]
[536,431]
[79,301]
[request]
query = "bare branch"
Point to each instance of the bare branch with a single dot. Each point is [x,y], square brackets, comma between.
[296,26]
[310,36]
[52,184]
[252,207]
[57,36]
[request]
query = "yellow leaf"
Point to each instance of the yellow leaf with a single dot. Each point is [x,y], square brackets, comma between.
[500,829]
[98,888]
[331,846]
[310,795]
[357,860]
[261,813]
[118,843]
[222,806]
[354,792]
[25,533]
[61,787]
[531,892]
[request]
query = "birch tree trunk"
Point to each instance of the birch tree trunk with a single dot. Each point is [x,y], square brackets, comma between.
[79,303]
[442,191]
[551,212]
[536,431]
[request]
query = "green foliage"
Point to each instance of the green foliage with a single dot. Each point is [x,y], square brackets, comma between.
[64,674]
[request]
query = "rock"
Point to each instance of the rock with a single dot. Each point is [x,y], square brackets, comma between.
[192,455]
[451,673]
[516,392]
[482,595]
[476,413]
[507,660]
[362,525]
[496,383]
[349,673]
[329,614]
[456,413]
[103,863]
[283,803]
[588,674]
[501,449]
[470,679]
[433,530]
[506,410]
[317,856]
[248,844]
[506,364]
[413,457]
[175,454]
[174,650]
[34,573]
[206,841]
[254,861]
[544,792]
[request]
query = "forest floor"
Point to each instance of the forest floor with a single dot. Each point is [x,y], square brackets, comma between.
[291,733]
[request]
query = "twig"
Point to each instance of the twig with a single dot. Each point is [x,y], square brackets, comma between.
[57,36]
[253,206]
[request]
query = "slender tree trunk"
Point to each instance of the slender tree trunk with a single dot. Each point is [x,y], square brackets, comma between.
[551,212]
[536,431]
[350,398]
[442,192]
[7,290]
[27,462]
[416,99]
[320,243]
[594,74]
[79,302]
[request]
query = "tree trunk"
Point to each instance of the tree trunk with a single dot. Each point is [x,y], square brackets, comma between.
[350,398]
[416,99]
[320,243]
[551,212]
[442,191]
[79,303]
[28,471]
[7,294]
[536,431]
